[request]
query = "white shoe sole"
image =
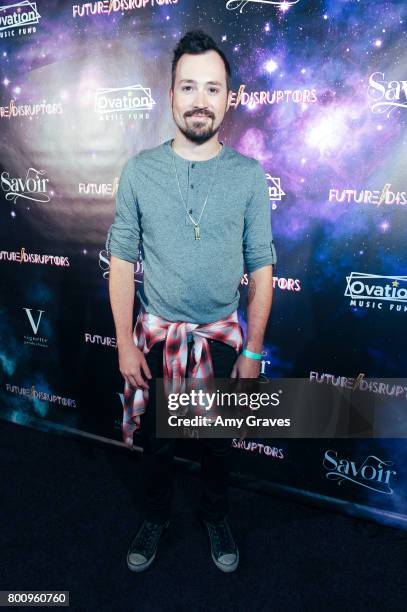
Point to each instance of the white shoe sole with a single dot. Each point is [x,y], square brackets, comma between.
[140,567]
[230,567]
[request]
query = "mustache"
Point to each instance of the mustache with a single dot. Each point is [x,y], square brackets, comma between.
[202,112]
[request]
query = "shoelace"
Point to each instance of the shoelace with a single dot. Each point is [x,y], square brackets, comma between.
[146,537]
[223,537]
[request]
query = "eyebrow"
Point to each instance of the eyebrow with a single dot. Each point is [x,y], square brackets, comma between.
[207,82]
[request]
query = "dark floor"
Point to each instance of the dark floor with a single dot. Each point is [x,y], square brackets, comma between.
[69,509]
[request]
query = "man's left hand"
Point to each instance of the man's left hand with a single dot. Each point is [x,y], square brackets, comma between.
[245,367]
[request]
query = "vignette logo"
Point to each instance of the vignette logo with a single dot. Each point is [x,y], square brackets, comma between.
[374,291]
[370,473]
[128,102]
[35,339]
[19,18]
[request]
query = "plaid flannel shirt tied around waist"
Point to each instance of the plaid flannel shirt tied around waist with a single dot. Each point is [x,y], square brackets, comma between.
[150,329]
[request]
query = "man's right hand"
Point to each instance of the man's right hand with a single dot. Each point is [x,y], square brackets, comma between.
[132,365]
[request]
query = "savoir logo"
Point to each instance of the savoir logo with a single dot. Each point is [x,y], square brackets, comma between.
[385,96]
[370,473]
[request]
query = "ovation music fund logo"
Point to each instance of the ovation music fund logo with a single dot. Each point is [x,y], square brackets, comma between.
[34,339]
[283,5]
[370,473]
[118,103]
[18,19]
[375,291]
[33,187]
[385,96]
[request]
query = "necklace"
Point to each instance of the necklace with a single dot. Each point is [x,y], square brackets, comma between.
[197,229]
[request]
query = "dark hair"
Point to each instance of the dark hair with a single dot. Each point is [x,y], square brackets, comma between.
[196,42]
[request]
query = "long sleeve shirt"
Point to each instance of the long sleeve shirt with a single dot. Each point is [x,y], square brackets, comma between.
[185,279]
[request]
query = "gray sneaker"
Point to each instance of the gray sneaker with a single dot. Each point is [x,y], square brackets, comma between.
[143,547]
[225,553]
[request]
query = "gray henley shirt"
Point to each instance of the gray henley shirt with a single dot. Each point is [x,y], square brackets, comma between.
[186,279]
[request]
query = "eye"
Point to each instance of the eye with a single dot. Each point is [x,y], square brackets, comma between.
[186,87]
[214,90]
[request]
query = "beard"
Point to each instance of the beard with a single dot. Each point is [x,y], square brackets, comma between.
[198,129]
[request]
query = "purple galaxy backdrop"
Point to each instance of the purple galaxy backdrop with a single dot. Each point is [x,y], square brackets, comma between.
[321,103]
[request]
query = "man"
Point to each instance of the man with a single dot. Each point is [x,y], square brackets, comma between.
[194,210]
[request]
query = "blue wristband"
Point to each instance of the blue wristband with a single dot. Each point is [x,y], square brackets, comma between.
[251,355]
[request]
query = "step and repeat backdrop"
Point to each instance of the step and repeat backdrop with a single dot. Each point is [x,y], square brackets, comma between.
[320,100]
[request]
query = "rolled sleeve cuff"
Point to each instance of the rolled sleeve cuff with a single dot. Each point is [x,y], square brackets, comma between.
[260,258]
[121,250]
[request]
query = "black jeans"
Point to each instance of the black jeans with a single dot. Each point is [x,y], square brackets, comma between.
[158,462]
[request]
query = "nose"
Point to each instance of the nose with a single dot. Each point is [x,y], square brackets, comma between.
[200,99]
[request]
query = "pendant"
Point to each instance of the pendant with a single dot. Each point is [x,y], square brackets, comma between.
[197,232]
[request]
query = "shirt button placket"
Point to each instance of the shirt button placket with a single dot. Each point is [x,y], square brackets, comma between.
[192,166]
